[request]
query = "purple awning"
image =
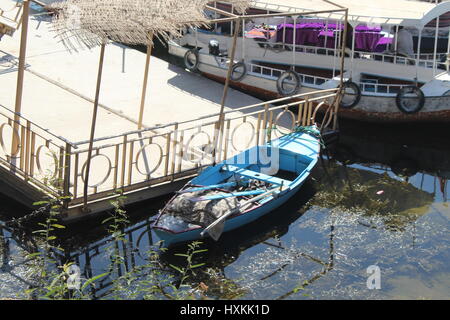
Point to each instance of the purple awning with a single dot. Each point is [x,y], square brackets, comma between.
[367,38]
[326,34]
[383,43]
[366,41]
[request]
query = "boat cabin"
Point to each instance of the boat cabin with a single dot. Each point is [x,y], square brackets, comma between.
[412,39]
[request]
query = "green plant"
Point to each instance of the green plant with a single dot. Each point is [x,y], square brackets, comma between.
[153,280]
[185,272]
[49,274]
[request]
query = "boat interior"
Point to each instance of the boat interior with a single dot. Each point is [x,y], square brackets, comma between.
[276,166]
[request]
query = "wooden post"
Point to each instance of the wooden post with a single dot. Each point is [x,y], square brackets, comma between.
[21,72]
[227,84]
[66,181]
[94,121]
[123,59]
[227,81]
[144,86]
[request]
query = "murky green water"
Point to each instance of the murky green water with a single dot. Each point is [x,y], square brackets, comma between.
[381,200]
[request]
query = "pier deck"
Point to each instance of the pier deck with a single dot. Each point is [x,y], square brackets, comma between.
[53,128]
[173,93]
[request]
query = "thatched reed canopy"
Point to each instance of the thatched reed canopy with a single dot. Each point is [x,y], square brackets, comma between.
[88,23]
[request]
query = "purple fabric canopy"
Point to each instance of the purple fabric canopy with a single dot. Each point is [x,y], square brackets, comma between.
[366,38]
[326,34]
[305,33]
[383,43]
[367,41]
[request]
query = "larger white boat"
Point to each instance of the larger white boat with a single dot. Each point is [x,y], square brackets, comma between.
[396,60]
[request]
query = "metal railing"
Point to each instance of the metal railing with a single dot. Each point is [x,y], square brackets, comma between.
[397,59]
[135,160]
[429,56]
[379,88]
[298,47]
[265,71]
[313,81]
[34,154]
[139,159]
[425,61]
[317,82]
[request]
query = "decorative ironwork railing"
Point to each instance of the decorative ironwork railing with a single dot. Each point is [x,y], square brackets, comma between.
[425,60]
[305,79]
[380,88]
[140,159]
[32,153]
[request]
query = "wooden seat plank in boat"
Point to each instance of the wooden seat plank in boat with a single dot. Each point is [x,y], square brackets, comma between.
[256,175]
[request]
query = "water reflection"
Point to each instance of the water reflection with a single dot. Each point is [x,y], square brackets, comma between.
[379,198]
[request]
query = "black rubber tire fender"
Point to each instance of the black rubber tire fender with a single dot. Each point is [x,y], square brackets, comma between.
[406,90]
[236,66]
[282,77]
[355,87]
[187,64]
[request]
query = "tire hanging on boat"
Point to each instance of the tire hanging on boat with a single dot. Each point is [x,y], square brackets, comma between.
[238,75]
[410,99]
[351,96]
[189,64]
[293,81]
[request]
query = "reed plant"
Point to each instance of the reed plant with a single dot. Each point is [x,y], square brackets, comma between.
[53,279]
[56,277]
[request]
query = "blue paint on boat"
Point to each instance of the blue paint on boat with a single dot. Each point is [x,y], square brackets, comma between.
[297,153]
[228,195]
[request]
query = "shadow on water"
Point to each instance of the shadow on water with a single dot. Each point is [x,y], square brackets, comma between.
[379,198]
[231,244]
[405,149]
[361,207]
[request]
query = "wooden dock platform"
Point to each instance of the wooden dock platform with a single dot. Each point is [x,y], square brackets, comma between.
[44,149]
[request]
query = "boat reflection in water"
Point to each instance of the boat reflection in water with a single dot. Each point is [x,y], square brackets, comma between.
[379,198]
[411,153]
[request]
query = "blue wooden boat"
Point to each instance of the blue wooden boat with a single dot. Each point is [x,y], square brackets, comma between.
[295,155]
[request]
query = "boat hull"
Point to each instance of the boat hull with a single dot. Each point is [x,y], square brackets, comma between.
[295,155]
[436,109]
[371,108]
[233,223]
